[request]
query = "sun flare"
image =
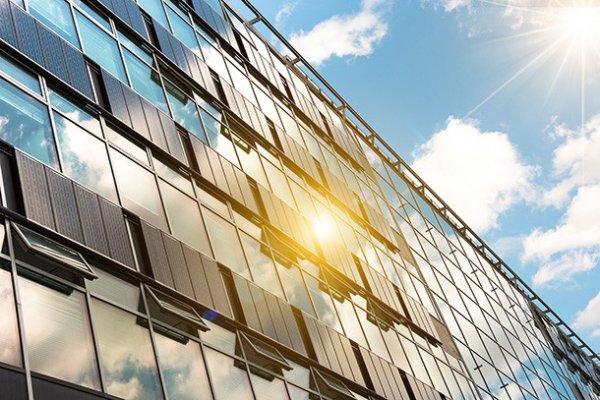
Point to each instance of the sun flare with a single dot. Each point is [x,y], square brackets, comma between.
[580,26]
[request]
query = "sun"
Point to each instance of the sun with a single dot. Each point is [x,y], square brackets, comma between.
[323,227]
[579,25]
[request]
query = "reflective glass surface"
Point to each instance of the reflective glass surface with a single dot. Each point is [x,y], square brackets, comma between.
[184,218]
[56,14]
[138,190]
[229,379]
[76,114]
[155,9]
[182,369]
[10,348]
[126,354]
[55,323]
[24,123]
[100,47]
[10,68]
[145,81]
[225,243]
[84,158]
[184,110]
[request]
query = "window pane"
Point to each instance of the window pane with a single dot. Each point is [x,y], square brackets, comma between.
[145,81]
[101,20]
[100,47]
[75,114]
[155,9]
[184,216]
[250,162]
[229,380]
[84,157]
[225,243]
[183,369]
[261,265]
[55,323]
[132,46]
[295,290]
[175,178]
[56,15]
[138,190]
[268,390]
[116,290]
[128,146]
[126,355]
[184,110]
[24,123]
[183,31]
[10,349]
[8,67]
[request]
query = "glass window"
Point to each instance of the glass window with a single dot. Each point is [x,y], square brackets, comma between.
[84,158]
[101,20]
[225,243]
[185,219]
[126,355]
[221,142]
[279,184]
[272,389]
[52,251]
[183,31]
[214,58]
[142,53]
[295,290]
[250,161]
[228,376]
[155,9]
[145,81]
[25,124]
[55,323]
[116,289]
[10,68]
[128,146]
[56,15]
[182,369]
[100,47]
[261,265]
[75,113]
[175,178]
[10,349]
[138,190]
[241,83]
[323,303]
[184,110]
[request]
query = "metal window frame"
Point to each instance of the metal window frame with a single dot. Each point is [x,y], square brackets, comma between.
[86,271]
[176,308]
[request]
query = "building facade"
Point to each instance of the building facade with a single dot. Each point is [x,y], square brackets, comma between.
[190,212]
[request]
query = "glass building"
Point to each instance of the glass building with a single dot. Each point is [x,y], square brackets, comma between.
[189,211]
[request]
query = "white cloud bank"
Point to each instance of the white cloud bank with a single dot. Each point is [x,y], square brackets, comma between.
[346,35]
[479,174]
[571,247]
[589,317]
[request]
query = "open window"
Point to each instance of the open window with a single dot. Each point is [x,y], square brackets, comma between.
[174,312]
[55,258]
[264,355]
[332,387]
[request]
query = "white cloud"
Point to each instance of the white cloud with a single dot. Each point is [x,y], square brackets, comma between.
[564,267]
[346,35]
[589,317]
[479,174]
[575,161]
[572,246]
[285,11]
[578,229]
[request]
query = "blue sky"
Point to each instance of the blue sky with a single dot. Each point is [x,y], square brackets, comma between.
[497,107]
